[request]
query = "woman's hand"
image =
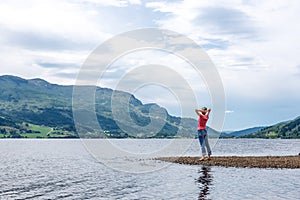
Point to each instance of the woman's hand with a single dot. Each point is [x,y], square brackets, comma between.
[208,111]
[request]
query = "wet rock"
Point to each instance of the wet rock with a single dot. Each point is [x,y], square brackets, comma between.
[291,162]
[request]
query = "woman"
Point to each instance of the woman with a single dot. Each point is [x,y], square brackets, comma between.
[202,132]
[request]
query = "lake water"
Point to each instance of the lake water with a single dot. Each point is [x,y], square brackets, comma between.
[72,169]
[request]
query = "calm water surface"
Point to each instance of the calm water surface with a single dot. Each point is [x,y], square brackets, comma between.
[55,169]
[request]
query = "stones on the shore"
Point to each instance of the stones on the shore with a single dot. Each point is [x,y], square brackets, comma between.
[291,162]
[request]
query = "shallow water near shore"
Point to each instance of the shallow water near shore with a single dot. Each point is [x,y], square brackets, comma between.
[54,169]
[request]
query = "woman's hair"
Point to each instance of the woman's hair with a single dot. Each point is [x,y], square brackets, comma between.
[203,108]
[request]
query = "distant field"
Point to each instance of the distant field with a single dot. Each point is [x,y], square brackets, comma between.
[38,131]
[42,129]
[46,132]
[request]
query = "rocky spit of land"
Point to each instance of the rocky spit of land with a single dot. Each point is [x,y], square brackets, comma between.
[291,162]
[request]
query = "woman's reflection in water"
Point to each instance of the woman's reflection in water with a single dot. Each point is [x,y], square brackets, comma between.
[204,181]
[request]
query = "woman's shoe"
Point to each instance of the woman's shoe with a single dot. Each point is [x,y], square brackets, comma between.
[202,158]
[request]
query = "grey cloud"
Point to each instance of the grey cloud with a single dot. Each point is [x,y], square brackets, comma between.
[246,63]
[298,70]
[216,44]
[66,75]
[39,41]
[58,65]
[227,21]
[140,16]
[246,59]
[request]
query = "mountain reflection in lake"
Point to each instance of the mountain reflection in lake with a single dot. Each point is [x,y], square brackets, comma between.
[204,181]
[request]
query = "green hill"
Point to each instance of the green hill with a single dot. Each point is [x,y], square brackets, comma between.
[28,104]
[240,133]
[289,129]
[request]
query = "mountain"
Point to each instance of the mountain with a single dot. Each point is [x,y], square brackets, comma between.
[240,132]
[37,108]
[289,129]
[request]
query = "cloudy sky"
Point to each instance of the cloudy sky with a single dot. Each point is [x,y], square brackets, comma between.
[255,46]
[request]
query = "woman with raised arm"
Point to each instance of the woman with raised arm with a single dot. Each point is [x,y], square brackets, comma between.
[202,132]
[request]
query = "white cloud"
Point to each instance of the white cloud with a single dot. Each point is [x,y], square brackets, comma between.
[229,111]
[259,41]
[254,44]
[117,3]
[57,33]
[41,64]
[59,18]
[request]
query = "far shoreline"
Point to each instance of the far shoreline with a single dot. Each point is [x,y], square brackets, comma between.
[116,138]
[177,138]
